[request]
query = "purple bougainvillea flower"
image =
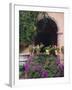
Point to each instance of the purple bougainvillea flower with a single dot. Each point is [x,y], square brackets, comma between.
[27,67]
[36,68]
[30,59]
[44,74]
[58,60]
[61,67]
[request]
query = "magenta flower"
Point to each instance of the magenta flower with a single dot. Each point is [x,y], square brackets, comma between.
[30,59]
[58,60]
[44,74]
[27,67]
[61,67]
[37,68]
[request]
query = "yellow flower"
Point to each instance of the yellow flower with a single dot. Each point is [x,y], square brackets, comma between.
[47,51]
[56,52]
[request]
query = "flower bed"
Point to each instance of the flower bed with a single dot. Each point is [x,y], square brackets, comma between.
[42,66]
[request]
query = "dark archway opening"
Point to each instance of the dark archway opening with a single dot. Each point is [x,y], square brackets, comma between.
[46,32]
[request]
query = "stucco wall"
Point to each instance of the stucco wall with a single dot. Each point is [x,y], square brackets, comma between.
[59,19]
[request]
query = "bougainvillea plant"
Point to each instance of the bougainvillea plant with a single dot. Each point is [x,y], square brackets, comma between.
[42,66]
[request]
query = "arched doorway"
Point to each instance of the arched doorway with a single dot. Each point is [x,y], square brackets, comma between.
[46,31]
